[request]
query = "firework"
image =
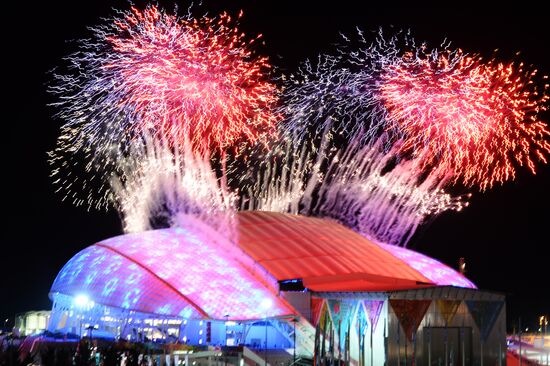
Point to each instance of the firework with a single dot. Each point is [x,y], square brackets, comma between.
[149,72]
[361,186]
[283,170]
[370,137]
[340,159]
[402,123]
[474,121]
[384,200]
[160,186]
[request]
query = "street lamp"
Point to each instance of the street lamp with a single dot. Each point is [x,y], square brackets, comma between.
[91,328]
[543,322]
[83,303]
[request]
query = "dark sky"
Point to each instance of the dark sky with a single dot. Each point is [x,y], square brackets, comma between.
[503,234]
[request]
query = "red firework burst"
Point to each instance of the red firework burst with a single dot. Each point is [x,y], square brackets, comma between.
[474,120]
[191,80]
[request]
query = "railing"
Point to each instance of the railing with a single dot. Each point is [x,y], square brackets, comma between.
[300,361]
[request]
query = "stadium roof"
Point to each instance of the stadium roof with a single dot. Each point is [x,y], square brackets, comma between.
[327,256]
[191,272]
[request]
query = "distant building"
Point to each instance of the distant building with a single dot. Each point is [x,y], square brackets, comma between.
[32,322]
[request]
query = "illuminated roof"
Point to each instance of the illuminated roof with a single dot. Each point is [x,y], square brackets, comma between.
[175,272]
[190,272]
[437,272]
[330,257]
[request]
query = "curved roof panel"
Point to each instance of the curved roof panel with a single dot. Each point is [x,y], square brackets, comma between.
[171,271]
[437,272]
[327,256]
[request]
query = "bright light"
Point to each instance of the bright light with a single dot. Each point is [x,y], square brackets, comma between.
[230,323]
[266,304]
[81,300]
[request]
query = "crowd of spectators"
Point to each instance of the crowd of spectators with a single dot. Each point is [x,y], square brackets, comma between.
[37,351]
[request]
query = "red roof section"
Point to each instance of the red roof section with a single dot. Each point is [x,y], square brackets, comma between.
[326,255]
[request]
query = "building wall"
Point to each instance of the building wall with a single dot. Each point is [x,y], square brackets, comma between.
[110,322]
[432,326]
[444,339]
[32,322]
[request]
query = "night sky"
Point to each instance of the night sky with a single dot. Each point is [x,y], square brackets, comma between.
[503,234]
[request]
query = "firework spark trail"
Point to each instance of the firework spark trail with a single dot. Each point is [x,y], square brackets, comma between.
[161,185]
[330,95]
[151,72]
[382,202]
[360,186]
[475,120]
[286,182]
[409,121]
[335,161]
[371,136]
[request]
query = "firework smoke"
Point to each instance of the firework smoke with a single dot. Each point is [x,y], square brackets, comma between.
[384,200]
[362,186]
[163,185]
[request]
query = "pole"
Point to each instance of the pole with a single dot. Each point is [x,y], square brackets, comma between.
[398,347]
[545,331]
[371,351]
[545,335]
[447,349]
[481,339]
[429,346]
[265,345]
[226,319]
[406,355]
[414,350]
[500,348]
[482,353]
[520,342]
[385,343]
[294,336]
[463,345]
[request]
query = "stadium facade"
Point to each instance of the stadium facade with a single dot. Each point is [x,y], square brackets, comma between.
[292,282]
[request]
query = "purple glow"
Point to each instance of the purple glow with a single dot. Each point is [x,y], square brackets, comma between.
[173,272]
[435,271]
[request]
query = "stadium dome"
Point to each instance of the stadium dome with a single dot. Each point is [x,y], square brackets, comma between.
[190,272]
